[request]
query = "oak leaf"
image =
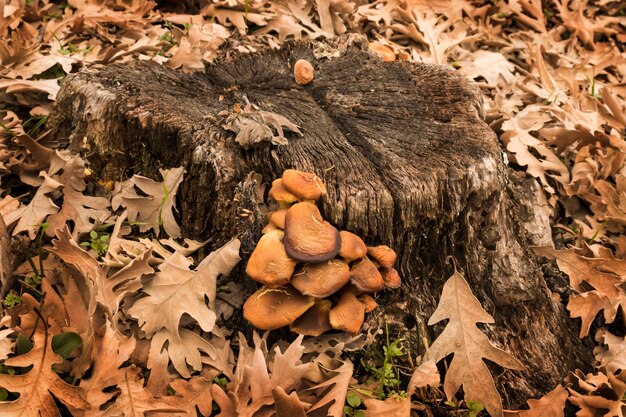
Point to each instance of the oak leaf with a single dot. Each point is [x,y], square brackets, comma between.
[550,405]
[176,290]
[607,293]
[598,395]
[254,126]
[390,407]
[32,216]
[135,400]
[157,207]
[77,207]
[114,349]
[40,387]
[425,375]
[108,291]
[469,346]
[613,358]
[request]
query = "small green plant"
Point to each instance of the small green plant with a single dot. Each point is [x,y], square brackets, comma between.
[98,242]
[221,381]
[466,408]
[352,409]
[383,367]
[12,299]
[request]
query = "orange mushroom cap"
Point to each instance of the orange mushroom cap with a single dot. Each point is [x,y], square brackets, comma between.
[365,276]
[280,194]
[269,263]
[383,254]
[278,218]
[352,246]
[322,279]
[308,238]
[273,308]
[305,185]
[369,302]
[303,72]
[315,321]
[391,278]
[348,315]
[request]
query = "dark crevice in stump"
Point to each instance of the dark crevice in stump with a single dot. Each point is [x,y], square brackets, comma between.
[406,158]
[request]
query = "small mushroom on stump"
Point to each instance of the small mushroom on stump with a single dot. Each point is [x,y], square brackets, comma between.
[303,72]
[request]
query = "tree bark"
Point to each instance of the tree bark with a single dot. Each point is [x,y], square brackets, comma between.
[405,156]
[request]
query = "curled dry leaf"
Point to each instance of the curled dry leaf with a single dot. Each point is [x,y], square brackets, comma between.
[391,407]
[425,375]
[613,357]
[600,394]
[254,126]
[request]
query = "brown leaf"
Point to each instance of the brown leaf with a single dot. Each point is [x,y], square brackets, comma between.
[113,349]
[108,291]
[78,208]
[135,400]
[550,405]
[391,407]
[613,358]
[606,295]
[155,209]
[32,216]
[40,386]
[254,126]
[463,338]
[287,405]
[425,375]
[177,290]
[599,394]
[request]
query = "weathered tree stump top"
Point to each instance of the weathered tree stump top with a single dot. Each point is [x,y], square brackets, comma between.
[395,136]
[404,154]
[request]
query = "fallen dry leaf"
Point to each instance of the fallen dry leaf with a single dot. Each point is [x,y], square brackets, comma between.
[550,405]
[424,375]
[176,290]
[469,346]
[155,209]
[607,293]
[40,387]
[613,358]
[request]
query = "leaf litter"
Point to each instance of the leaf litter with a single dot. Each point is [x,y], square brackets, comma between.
[552,78]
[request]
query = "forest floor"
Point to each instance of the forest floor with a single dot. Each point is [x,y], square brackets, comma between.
[86,263]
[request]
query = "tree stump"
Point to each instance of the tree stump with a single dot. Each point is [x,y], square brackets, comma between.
[405,156]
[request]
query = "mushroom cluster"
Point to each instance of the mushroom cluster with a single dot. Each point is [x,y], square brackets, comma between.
[315,278]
